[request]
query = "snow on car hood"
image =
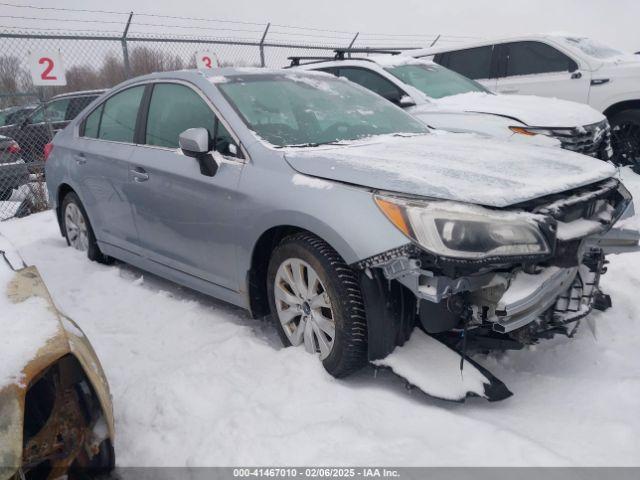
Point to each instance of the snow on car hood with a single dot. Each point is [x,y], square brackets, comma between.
[448,166]
[25,327]
[528,109]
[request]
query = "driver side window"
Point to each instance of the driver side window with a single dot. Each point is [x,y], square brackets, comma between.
[374,82]
[175,108]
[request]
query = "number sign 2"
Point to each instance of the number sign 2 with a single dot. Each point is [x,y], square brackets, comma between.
[46,68]
[206,60]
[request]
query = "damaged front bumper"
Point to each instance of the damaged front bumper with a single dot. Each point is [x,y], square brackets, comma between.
[497,304]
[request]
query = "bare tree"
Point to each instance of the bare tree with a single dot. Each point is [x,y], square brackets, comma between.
[12,79]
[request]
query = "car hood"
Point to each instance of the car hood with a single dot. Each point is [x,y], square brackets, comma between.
[449,166]
[528,109]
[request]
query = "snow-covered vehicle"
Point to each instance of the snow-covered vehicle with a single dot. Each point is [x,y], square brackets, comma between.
[366,236]
[55,408]
[446,100]
[566,66]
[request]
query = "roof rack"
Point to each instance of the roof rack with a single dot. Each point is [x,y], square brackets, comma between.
[341,51]
[339,55]
[295,60]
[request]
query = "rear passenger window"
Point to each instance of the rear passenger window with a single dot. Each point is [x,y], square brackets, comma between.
[529,58]
[374,82]
[173,109]
[473,63]
[119,115]
[92,123]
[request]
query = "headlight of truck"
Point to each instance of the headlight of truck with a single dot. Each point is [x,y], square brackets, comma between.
[465,231]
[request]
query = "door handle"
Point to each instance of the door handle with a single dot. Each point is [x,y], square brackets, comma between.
[80,159]
[139,174]
[509,90]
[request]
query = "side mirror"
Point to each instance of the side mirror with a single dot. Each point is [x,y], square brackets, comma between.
[194,143]
[406,101]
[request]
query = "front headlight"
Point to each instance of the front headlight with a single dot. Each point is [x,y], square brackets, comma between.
[465,231]
[531,131]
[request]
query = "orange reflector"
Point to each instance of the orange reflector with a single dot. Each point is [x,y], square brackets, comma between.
[522,131]
[394,213]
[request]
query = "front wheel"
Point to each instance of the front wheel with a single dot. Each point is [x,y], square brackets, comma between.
[315,301]
[625,136]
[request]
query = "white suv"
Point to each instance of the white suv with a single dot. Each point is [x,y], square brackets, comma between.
[558,65]
[446,100]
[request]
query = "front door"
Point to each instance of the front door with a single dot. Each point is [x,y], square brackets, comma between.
[185,219]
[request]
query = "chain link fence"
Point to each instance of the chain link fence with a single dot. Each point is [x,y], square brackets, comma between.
[30,116]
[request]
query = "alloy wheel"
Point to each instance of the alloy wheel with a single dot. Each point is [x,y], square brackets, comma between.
[304,307]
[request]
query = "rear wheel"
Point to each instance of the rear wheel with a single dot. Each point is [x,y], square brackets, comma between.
[315,301]
[78,231]
[625,129]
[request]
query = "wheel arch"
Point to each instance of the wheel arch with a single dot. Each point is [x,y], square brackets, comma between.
[256,279]
[621,106]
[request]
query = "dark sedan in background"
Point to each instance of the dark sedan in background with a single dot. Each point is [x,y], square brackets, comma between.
[37,129]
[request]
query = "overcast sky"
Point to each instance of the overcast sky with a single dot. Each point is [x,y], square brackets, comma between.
[612,21]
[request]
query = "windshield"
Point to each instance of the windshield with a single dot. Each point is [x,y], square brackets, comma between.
[593,48]
[435,81]
[312,109]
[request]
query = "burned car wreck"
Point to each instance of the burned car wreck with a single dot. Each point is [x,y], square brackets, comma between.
[507,278]
[56,416]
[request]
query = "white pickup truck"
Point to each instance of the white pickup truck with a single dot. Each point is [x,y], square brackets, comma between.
[558,65]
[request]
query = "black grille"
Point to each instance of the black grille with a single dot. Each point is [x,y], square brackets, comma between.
[593,140]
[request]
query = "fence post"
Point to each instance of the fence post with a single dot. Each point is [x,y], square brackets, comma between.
[125,50]
[352,42]
[436,39]
[264,35]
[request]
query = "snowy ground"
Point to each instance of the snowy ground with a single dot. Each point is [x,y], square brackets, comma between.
[197,382]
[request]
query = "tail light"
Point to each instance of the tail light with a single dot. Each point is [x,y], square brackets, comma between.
[48,148]
[13,148]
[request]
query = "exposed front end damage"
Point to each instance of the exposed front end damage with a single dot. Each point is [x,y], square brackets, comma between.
[483,304]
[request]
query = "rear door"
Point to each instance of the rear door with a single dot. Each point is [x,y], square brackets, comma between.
[100,159]
[478,63]
[536,68]
[185,219]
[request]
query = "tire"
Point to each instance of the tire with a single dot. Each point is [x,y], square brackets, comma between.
[89,244]
[625,131]
[348,352]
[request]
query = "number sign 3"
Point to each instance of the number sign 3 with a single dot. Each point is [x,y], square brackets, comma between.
[206,60]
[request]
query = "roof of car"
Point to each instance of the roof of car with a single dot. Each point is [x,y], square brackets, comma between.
[82,93]
[481,43]
[216,75]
